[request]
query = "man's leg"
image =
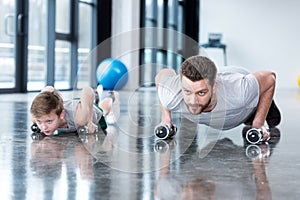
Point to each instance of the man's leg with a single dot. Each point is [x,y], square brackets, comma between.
[273,117]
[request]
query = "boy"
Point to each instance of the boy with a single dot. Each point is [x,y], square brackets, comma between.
[53,115]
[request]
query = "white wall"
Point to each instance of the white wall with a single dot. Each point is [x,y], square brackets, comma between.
[259,34]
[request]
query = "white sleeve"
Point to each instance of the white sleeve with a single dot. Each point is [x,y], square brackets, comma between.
[169,92]
[251,93]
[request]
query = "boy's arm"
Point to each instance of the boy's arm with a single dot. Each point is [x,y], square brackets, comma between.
[266,81]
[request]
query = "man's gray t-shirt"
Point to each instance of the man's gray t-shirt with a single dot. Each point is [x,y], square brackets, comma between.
[237,98]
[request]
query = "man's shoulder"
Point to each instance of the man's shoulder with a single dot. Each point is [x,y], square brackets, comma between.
[169,92]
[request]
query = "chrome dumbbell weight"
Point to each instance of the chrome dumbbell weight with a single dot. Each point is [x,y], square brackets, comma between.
[164,131]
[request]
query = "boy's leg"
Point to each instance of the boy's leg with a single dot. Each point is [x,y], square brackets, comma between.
[112,103]
[106,105]
[84,111]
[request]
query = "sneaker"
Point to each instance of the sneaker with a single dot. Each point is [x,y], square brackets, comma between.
[98,94]
[114,113]
[273,118]
[275,136]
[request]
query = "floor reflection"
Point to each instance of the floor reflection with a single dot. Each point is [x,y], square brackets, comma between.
[228,171]
[128,162]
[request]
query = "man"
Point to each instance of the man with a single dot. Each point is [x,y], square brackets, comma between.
[222,99]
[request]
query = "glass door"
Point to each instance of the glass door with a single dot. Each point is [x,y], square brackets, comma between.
[47,45]
[13,45]
[7,45]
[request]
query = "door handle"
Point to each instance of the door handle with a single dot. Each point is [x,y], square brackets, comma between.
[7,30]
[20,25]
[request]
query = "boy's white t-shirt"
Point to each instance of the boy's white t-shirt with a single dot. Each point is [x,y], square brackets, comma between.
[70,107]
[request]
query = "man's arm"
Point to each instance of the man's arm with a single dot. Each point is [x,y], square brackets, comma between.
[266,81]
[263,190]
[166,117]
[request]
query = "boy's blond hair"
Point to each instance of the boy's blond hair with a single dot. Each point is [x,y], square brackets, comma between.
[45,102]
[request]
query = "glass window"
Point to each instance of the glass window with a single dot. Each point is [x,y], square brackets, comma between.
[62,64]
[62,16]
[84,43]
[7,45]
[37,44]
[161,14]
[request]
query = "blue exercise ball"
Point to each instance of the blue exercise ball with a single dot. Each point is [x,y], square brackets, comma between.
[112,74]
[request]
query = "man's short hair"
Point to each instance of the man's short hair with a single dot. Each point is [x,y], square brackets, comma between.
[197,68]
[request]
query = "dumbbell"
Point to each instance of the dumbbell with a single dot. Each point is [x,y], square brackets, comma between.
[255,152]
[37,133]
[82,130]
[35,128]
[254,136]
[164,131]
[162,146]
[85,129]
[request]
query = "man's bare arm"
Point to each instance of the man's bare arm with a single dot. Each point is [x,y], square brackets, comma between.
[266,81]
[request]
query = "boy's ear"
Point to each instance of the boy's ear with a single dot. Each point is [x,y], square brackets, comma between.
[62,114]
[33,119]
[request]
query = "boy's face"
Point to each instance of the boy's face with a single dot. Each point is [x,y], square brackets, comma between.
[48,123]
[197,95]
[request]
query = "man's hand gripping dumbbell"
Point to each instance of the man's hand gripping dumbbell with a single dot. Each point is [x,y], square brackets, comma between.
[164,131]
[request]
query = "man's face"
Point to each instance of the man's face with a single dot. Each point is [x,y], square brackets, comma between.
[197,95]
[48,123]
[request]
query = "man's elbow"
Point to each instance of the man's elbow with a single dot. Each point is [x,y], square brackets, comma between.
[273,78]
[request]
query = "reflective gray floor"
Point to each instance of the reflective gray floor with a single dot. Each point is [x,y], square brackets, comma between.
[130,163]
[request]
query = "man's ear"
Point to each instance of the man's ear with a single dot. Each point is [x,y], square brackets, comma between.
[215,87]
